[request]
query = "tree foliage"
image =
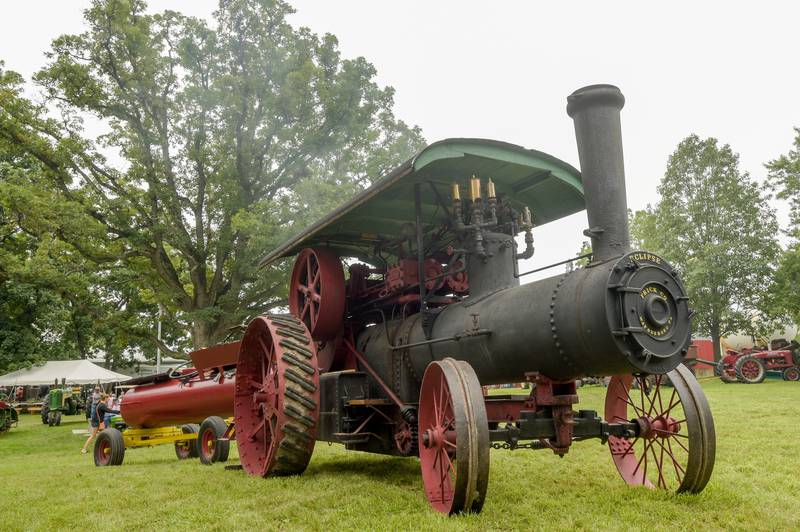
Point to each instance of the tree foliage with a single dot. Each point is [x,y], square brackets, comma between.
[714,225]
[53,303]
[220,141]
[784,176]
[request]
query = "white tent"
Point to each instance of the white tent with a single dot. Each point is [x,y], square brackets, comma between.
[74,371]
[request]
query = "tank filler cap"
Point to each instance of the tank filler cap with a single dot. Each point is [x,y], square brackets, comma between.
[654,324]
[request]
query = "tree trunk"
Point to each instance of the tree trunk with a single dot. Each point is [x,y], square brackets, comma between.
[206,333]
[715,340]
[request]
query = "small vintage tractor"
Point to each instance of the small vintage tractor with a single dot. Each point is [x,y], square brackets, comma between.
[61,400]
[8,414]
[407,299]
[750,366]
[184,407]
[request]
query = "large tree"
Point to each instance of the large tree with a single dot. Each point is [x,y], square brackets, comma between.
[714,224]
[220,140]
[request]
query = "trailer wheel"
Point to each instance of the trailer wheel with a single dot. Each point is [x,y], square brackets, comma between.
[276,402]
[676,445]
[750,370]
[109,448]
[210,449]
[453,437]
[792,373]
[187,448]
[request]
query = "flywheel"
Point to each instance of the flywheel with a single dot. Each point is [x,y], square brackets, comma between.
[317,292]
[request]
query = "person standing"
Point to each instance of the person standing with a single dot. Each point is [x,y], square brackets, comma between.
[91,414]
[105,412]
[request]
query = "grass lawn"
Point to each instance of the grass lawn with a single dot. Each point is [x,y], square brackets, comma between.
[49,485]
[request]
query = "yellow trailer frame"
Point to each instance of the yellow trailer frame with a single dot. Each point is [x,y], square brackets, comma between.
[157,436]
[111,443]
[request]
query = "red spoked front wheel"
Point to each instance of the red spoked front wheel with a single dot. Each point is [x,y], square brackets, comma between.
[317,292]
[453,437]
[675,447]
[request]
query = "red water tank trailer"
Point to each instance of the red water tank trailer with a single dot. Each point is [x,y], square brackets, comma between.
[186,396]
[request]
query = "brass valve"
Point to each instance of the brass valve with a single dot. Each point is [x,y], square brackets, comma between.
[456,192]
[475,188]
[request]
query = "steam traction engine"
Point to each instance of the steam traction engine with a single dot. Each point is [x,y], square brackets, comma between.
[390,357]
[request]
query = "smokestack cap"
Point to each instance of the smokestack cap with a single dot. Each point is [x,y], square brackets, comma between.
[593,95]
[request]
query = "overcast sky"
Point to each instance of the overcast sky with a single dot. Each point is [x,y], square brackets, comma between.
[502,70]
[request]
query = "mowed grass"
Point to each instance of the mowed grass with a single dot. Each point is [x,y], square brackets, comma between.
[47,484]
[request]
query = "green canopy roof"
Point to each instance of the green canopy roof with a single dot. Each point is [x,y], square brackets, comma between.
[551,188]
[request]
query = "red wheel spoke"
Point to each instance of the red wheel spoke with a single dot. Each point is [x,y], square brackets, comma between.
[436,417]
[635,408]
[650,400]
[639,463]
[631,446]
[671,403]
[641,393]
[658,392]
[442,476]
[312,312]
[675,461]
[661,468]
[257,429]
[442,398]
[451,466]
[447,423]
[679,442]
[630,400]
[658,465]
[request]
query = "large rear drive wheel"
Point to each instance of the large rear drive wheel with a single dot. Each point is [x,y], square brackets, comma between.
[453,437]
[750,370]
[109,448]
[676,445]
[276,405]
[187,448]
[210,449]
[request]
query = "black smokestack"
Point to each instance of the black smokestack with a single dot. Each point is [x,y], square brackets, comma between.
[595,111]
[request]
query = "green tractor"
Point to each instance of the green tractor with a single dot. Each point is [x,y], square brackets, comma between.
[60,401]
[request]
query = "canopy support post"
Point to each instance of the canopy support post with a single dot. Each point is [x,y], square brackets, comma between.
[427,322]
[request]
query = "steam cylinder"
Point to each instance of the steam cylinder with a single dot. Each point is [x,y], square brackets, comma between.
[174,402]
[627,312]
